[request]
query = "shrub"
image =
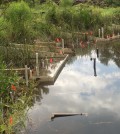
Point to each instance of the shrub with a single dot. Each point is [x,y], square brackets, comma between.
[19,15]
[5,31]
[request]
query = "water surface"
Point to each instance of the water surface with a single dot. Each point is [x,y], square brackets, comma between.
[77,90]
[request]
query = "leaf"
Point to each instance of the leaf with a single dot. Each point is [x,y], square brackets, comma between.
[2,128]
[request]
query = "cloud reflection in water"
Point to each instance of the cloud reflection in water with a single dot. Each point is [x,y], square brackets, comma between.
[77,90]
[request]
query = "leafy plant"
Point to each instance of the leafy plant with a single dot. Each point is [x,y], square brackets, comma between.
[19,15]
[5,31]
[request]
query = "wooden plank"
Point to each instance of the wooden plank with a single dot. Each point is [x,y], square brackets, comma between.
[56,115]
[15,69]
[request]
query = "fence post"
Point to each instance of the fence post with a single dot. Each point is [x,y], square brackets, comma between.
[97,53]
[99,33]
[63,45]
[118,34]
[102,30]
[11,95]
[1,107]
[37,65]
[26,75]
[94,66]
[77,42]
[30,74]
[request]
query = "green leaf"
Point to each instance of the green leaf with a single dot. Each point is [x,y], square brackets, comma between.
[2,128]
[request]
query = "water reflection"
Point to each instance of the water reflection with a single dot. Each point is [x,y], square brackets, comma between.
[78,91]
[110,52]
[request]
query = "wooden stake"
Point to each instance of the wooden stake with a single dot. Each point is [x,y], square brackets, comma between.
[26,75]
[1,107]
[63,45]
[99,32]
[11,96]
[118,34]
[37,65]
[102,30]
[94,66]
[77,42]
[97,53]
[56,115]
[30,74]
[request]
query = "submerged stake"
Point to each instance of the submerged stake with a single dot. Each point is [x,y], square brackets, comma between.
[26,75]
[56,115]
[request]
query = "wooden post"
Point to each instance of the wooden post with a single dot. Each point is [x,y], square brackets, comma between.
[37,65]
[99,33]
[30,74]
[1,107]
[94,66]
[26,75]
[63,43]
[73,46]
[77,42]
[97,53]
[46,62]
[88,43]
[11,96]
[118,35]
[102,30]
[113,26]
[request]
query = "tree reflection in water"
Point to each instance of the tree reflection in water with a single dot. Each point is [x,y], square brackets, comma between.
[110,52]
[107,52]
[39,91]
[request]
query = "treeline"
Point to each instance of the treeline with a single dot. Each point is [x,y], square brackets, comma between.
[104,3]
[93,2]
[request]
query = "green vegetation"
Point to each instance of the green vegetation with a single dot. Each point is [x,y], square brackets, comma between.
[4,31]
[61,20]
[19,16]
[49,20]
[15,98]
[8,89]
[17,19]
[24,21]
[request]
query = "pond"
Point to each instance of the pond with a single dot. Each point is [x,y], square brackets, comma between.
[77,90]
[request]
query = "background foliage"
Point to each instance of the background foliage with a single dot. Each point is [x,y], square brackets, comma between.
[49,19]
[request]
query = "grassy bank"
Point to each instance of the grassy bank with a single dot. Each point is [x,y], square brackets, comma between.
[49,20]
[15,100]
